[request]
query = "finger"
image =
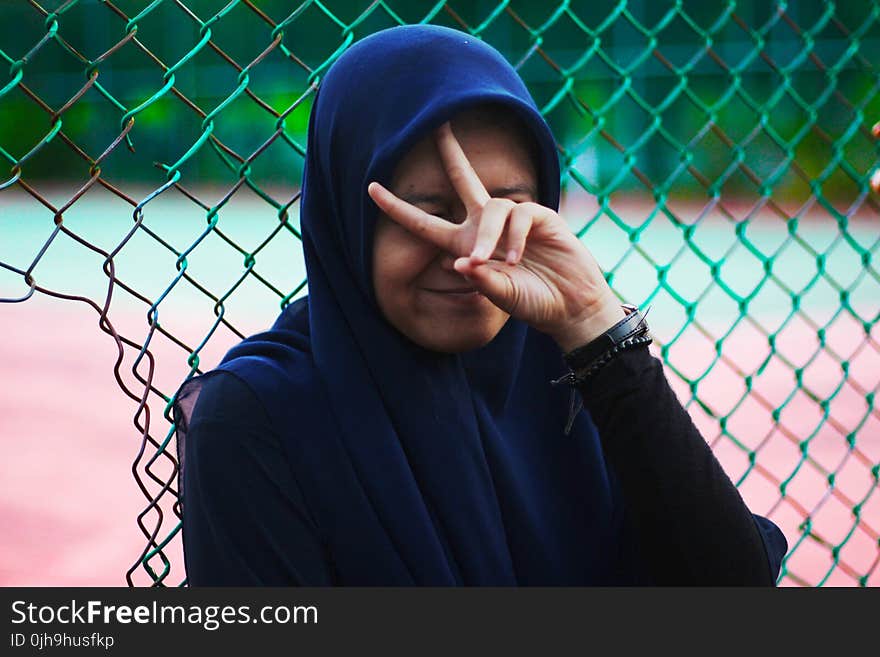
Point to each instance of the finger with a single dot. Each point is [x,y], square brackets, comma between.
[493,218]
[518,228]
[875,181]
[459,170]
[875,131]
[490,281]
[426,226]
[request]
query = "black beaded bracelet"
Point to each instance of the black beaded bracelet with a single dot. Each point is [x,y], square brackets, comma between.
[585,361]
[577,377]
[631,325]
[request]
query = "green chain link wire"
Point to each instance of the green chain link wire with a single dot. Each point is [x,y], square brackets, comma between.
[596,70]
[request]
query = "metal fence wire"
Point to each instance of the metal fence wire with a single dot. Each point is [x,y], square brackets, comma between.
[717,159]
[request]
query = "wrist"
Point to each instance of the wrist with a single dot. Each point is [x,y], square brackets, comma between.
[584,331]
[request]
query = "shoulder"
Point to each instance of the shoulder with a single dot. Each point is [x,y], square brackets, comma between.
[225,396]
[266,389]
[228,412]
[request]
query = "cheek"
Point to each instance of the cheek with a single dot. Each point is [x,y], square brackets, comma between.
[399,260]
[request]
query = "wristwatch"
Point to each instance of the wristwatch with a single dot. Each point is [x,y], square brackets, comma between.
[618,337]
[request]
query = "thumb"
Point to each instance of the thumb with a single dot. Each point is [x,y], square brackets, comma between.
[495,284]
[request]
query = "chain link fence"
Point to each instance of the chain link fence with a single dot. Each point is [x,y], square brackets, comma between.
[716,158]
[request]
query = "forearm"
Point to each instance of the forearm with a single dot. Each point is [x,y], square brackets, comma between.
[692,524]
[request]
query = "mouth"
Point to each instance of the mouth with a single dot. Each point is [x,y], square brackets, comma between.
[458,296]
[458,291]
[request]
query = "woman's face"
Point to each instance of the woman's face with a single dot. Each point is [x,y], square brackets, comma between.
[416,286]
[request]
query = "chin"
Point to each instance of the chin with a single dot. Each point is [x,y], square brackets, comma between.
[458,341]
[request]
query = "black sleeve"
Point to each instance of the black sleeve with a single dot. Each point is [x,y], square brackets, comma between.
[245,522]
[688,519]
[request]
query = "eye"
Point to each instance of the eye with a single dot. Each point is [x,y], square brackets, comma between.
[437,211]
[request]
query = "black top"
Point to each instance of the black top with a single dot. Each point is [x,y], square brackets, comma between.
[686,516]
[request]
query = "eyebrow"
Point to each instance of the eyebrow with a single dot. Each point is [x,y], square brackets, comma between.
[495,192]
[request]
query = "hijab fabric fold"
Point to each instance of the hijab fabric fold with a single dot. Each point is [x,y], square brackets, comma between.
[420,467]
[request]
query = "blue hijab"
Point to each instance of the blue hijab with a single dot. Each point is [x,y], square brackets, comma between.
[421,467]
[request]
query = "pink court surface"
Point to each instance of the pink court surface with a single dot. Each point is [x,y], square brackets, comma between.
[69,503]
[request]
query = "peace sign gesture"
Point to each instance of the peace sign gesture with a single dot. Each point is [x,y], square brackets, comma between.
[521,256]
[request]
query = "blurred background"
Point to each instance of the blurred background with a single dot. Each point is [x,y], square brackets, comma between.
[716,161]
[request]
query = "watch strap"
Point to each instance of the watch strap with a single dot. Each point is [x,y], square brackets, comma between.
[631,325]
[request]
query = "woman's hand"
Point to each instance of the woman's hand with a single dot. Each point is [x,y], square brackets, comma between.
[522,256]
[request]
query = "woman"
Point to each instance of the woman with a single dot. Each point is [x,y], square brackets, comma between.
[398,426]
